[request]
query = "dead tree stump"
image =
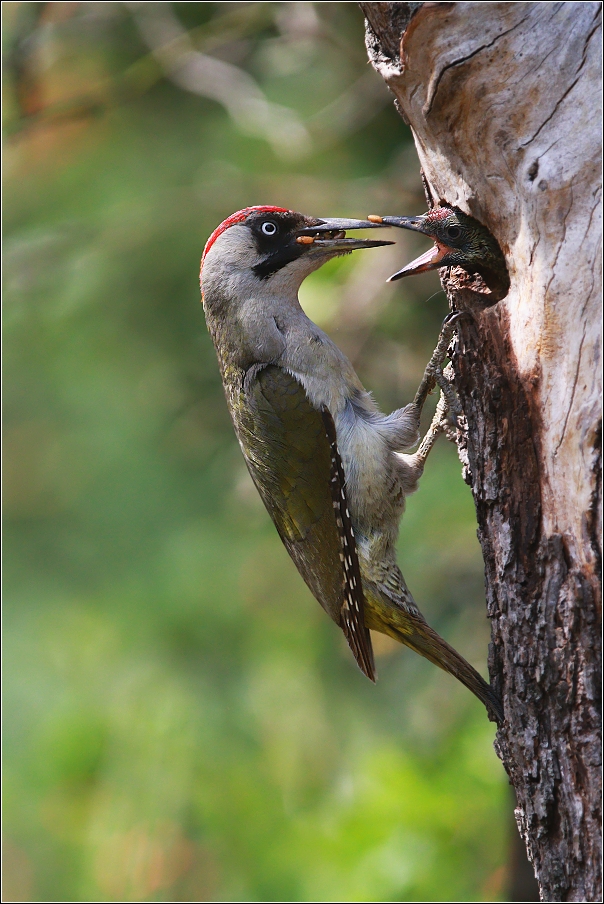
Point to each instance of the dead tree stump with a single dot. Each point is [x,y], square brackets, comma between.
[504,103]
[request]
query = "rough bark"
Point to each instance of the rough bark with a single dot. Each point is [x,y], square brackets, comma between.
[503,101]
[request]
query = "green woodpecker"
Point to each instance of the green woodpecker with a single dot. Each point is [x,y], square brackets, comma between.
[332,471]
[459,241]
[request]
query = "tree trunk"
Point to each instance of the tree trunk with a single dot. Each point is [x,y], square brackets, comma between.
[503,101]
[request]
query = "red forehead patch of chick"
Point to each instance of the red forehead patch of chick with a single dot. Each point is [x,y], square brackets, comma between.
[237,217]
[438,213]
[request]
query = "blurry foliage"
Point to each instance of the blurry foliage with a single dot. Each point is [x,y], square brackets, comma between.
[182,721]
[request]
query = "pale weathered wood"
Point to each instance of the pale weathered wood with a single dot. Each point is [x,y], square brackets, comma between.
[504,103]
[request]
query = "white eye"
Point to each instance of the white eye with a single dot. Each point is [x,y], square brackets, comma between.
[269,228]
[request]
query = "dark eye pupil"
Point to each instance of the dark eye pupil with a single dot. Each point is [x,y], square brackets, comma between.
[269,228]
[453,232]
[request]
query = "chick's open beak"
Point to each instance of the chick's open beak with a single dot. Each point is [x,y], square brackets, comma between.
[330,235]
[430,260]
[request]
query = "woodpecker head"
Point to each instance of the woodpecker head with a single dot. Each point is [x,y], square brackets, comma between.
[263,250]
[459,241]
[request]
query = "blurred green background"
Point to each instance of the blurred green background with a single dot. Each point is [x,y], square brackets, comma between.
[182,721]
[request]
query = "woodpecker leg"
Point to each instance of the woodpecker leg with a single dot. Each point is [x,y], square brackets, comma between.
[448,404]
[436,427]
[414,463]
[449,394]
[433,373]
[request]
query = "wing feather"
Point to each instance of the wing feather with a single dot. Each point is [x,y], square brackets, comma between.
[292,453]
[353,608]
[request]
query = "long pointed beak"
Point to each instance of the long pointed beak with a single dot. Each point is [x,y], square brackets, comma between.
[330,235]
[417,224]
[430,260]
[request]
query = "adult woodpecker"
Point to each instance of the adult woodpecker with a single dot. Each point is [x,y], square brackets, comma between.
[330,468]
[459,241]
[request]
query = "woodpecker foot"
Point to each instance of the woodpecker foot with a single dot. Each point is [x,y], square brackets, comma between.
[448,410]
[453,406]
[433,373]
[436,428]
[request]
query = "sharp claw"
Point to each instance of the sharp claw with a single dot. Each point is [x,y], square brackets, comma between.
[452,419]
[453,316]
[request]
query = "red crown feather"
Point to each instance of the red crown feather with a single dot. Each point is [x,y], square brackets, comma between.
[237,217]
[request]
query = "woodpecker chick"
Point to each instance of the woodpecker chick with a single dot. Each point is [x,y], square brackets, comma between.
[459,241]
[332,470]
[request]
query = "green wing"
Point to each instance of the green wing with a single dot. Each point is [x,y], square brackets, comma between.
[292,454]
